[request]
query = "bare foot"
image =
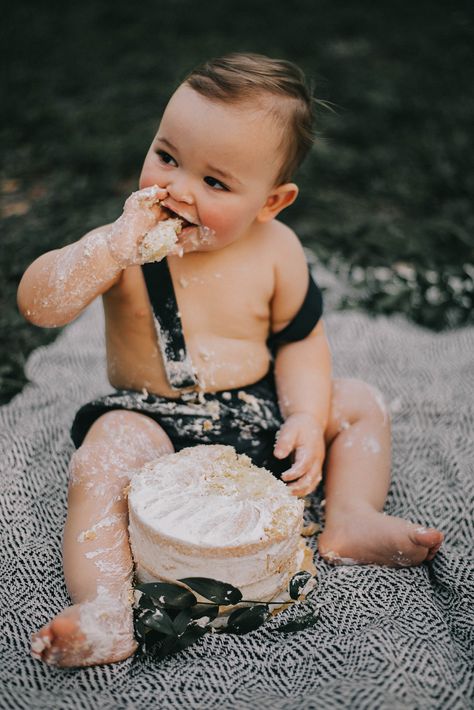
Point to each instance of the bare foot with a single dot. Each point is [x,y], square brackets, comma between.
[86,634]
[370,537]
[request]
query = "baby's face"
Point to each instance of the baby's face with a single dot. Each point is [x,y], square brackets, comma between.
[217,161]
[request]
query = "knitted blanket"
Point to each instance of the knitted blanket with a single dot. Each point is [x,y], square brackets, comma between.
[385,638]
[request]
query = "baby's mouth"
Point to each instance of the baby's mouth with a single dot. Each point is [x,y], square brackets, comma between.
[170,214]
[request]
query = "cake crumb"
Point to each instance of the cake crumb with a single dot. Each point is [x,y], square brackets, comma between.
[310,529]
[160,240]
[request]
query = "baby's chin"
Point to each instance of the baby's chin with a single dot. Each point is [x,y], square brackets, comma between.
[197,239]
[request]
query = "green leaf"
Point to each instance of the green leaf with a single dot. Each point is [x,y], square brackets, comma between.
[212,589]
[167,647]
[161,622]
[140,628]
[172,645]
[305,622]
[241,621]
[146,602]
[166,594]
[181,621]
[297,583]
[191,635]
[153,641]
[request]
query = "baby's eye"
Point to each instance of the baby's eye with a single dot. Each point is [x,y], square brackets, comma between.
[165,157]
[215,183]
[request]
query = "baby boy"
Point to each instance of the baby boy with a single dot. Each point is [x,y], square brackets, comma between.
[219,342]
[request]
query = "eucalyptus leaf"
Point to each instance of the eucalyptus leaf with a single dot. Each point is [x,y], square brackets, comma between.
[146,602]
[191,635]
[305,622]
[166,594]
[241,621]
[181,621]
[172,645]
[297,583]
[214,590]
[140,628]
[161,622]
[167,647]
[153,641]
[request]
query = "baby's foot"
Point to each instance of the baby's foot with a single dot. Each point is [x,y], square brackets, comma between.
[86,634]
[370,537]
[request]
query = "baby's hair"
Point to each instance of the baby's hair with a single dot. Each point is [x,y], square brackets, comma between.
[240,77]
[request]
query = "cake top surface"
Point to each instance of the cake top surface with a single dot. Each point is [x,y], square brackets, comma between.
[211,496]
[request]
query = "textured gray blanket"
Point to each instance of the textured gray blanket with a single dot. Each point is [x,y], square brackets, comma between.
[386,638]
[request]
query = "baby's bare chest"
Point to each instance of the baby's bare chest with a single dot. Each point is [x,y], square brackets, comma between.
[224,316]
[231,300]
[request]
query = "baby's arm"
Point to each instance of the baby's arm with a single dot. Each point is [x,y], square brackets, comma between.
[61,283]
[303,377]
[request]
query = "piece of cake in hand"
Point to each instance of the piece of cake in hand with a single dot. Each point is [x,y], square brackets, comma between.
[160,240]
[207,511]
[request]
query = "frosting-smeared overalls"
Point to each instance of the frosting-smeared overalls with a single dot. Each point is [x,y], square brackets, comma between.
[246,418]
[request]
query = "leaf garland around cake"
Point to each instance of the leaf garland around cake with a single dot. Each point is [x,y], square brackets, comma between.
[168,617]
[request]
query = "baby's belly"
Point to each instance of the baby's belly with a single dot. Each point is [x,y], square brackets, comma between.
[219,364]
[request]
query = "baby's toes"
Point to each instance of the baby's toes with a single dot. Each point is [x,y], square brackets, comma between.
[433,550]
[41,643]
[429,538]
[60,642]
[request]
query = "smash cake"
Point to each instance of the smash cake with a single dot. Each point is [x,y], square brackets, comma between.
[160,240]
[207,511]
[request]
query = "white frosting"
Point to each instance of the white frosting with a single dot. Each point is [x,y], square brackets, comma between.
[159,241]
[209,512]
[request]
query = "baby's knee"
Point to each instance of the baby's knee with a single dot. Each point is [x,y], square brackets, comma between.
[376,403]
[354,399]
[129,436]
[90,466]
[118,443]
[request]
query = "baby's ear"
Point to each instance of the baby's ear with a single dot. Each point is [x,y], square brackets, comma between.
[279,198]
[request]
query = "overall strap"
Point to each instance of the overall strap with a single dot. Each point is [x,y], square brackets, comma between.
[169,330]
[305,319]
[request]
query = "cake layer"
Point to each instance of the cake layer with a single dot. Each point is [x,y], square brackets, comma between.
[209,512]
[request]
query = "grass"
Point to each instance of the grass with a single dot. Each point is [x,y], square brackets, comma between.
[386,195]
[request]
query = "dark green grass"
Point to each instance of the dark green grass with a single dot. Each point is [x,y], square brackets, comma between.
[389,183]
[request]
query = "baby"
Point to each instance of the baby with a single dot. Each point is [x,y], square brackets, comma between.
[219,342]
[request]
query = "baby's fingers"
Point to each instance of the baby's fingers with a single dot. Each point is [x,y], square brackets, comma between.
[301,464]
[286,440]
[307,483]
[151,195]
[146,199]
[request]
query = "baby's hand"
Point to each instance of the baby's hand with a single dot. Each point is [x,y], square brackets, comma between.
[302,434]
[141,213]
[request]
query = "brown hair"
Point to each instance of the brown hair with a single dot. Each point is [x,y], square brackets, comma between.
[239,77]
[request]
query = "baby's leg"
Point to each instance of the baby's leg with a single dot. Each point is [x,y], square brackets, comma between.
[357,478]
[98,566]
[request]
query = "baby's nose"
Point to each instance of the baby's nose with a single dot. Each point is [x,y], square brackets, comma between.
[180,191]
[187,199]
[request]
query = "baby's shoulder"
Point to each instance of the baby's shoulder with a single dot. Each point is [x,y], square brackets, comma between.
[285,249]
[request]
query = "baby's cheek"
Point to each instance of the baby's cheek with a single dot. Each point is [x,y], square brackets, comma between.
[227,224]
[150,176]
